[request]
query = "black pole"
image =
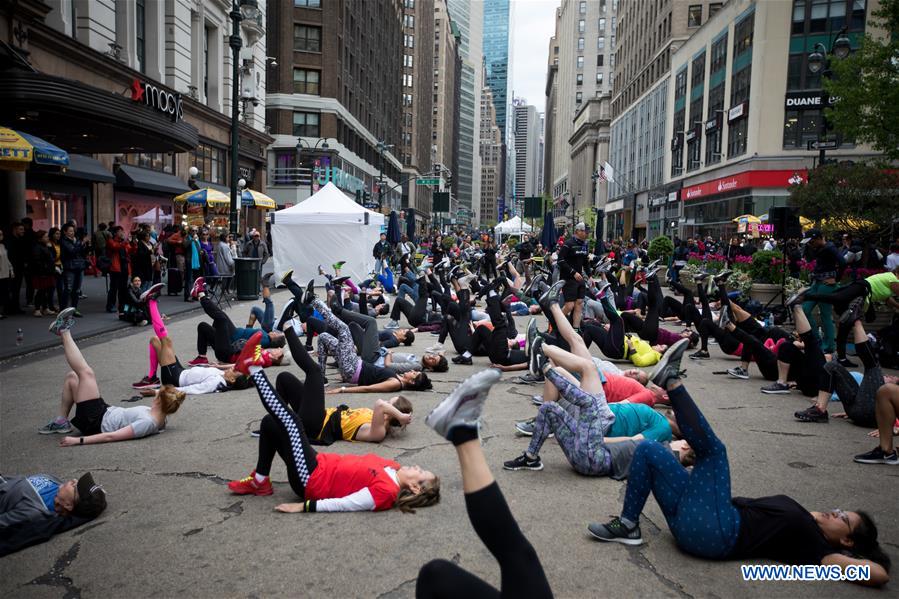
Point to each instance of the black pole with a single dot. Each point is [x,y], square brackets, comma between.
[235,43]
[822,153]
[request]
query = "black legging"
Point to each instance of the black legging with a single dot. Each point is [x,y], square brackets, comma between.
[498,349]
[521,574]
[806,366]
[840,299]
[456,319]
[647,328]
[415,313]
[753,347]
[611,342]
[218,335]
[726,341]
[365,334]
[858,399]
[281,431]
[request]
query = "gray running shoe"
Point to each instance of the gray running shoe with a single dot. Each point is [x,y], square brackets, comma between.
[738,372]
[392,325]
[776,388]
[525,428]
[796,298]
[616,532]
[529,336]
[537,400]
[463,406]
[65,320]
[54,427]
[669,364]
[552,294]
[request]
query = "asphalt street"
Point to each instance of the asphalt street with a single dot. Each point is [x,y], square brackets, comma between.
[172,528]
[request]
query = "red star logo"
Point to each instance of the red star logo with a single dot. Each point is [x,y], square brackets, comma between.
[137,91]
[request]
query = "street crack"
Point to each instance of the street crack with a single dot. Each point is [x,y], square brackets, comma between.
[55,576]
[783,433]
[636,557]
[799,465]
[403,589]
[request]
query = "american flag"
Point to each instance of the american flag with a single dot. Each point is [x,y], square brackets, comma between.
[606,173]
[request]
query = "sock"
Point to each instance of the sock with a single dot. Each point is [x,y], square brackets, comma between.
[491,293]
[627,523]
[466,354]
[529,455]
[255,369]
[463,434]
[156,318]
[60,420]
[154,362]
[260,478]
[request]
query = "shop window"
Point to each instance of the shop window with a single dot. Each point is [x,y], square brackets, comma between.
[210,162]
[306,124]
[307,3]
[694,15]
[307,38]
[159,161]
[52,209]
[306,81]
[133,210]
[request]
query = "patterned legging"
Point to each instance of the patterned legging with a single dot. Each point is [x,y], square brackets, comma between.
[579,420]
[284,430]
[697,505]
[341,346]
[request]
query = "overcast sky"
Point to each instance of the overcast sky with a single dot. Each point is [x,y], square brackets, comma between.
[533,23]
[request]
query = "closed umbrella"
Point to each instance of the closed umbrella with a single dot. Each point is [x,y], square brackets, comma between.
[410,225]
[548,236]
[393,228]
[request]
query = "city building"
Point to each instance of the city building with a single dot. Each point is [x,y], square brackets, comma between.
[582,53]
[589,149]
[747,115]
[336,98]
[492,152]
[541,148]
[648,34]
[446,100]
[496,56]
[137,93]
[551,92]
[527,141]
[418,104]
[468,15]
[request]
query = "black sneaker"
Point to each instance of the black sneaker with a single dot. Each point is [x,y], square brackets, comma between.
[309,296]
[722,276]
[812,414]
[669,364]
[616,532]
[537,359]
[530,334]
[460,359]
[846,363]
[287,276]
[523,462]
[552,294]
[878,456]
[700,355]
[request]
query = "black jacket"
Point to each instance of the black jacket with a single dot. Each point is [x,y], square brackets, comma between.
[572,257]
[72,254]
[382,249]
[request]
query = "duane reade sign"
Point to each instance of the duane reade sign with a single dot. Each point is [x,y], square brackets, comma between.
[806,101]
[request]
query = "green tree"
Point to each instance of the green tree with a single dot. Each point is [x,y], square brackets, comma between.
[867,85]
[858,198]
[660,248]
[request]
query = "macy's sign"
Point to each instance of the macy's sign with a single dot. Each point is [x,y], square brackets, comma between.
[158,99]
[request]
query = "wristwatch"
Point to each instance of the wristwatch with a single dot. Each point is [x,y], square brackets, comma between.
[80,440]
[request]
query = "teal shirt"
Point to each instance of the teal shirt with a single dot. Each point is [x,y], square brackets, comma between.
[636,418]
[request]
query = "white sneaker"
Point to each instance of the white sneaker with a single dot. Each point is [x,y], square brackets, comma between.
[436,348]
[463,406]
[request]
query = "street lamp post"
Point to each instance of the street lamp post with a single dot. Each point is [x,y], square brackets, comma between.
[382,147]
[820,59]
[312,149]
[240,10]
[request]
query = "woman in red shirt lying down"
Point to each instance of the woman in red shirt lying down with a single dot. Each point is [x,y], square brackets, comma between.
[328,482]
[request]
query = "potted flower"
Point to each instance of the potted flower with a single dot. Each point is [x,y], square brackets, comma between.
[767,273]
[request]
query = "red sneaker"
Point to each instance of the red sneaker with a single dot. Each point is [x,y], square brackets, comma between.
[199,361]
[198,288]
[249,486]
[250,355]
[147,383]
[151,293]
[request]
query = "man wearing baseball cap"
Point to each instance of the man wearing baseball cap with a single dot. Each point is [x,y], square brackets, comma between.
[572,260]
[34,508]
[828,263]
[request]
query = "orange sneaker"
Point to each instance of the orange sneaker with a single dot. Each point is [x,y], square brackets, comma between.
[249,486]
[250,355]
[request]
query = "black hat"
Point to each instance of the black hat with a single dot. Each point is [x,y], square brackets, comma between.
[91,497]
[812,234]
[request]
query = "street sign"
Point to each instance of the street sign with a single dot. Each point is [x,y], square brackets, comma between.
[427,181]
[827,144]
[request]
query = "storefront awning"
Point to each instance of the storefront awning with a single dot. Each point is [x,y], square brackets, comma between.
[85,167]
[147,180]
[80,118]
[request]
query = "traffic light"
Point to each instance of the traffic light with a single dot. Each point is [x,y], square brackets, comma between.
[366,198]
[359,196]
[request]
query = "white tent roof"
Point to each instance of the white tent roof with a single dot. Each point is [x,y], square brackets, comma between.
[328,205]
[513,225]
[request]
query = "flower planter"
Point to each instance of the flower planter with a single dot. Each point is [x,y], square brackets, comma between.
[883,317]
[764,292]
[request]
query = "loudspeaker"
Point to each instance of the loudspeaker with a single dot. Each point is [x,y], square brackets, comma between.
[440,201]
[785,220]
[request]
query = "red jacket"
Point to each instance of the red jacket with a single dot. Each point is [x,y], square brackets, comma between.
[116,250]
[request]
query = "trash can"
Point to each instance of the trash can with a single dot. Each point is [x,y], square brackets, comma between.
[246,278]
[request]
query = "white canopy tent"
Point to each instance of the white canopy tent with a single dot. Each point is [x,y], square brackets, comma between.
[323,229]
[513,226]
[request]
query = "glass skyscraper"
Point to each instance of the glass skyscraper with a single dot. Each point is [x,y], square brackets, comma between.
[496,55]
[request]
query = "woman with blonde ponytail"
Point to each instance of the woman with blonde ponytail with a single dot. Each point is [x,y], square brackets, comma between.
[97,421]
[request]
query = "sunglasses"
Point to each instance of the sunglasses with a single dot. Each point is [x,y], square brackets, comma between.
[842,516]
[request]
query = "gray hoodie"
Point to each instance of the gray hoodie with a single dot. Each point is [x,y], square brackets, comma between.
[24,519]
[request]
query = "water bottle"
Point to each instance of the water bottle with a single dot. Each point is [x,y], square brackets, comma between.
[20,337]
[769,321]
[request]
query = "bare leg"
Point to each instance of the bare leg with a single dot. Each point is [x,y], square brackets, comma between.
[575,341]
[739,313]
[801,320]
[590,381]
[550,391]
[578,312]
[67,400]
[87,383]
[886,408]
[567,308]
[164,350]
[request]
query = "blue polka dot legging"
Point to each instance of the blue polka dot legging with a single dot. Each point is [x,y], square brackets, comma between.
[341,346]
[697,505]
[579,421]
